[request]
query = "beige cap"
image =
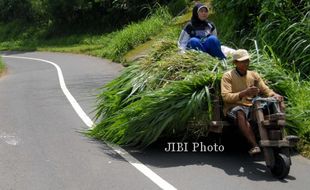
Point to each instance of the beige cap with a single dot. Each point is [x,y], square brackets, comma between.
[241,55]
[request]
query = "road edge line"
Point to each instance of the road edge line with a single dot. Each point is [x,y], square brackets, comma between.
[90,124]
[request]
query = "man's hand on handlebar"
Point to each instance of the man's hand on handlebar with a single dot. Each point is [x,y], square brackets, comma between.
[278,97]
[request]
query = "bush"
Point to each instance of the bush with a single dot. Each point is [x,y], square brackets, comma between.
[236,19]
[282,25]
[135,34]
[285,27]
[177,6]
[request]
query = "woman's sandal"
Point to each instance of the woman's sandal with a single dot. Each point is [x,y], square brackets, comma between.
[254,150]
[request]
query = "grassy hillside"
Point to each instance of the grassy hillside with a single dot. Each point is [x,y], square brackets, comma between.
[112,46]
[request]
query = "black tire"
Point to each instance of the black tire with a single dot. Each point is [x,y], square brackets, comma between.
[282,166]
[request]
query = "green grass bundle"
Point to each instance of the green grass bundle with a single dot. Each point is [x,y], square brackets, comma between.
[164,111]
[157,97]
[160,95]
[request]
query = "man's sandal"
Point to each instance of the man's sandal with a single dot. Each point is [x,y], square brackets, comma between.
[254,150]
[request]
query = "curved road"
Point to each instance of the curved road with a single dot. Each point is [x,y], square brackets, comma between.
[42,147]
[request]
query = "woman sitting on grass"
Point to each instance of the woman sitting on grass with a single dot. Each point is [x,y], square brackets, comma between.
[200,34]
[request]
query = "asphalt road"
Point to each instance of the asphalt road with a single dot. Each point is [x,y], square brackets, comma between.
[42,147]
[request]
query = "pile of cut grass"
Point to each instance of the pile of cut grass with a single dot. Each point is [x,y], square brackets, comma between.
[158,96]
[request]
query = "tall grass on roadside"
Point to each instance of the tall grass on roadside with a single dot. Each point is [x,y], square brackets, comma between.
[135,34]
[287,31]
[283,25]
[290,85]
[235,19]
[2,66]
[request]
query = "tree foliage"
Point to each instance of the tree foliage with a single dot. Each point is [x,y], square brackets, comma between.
[15,9]
[81,15]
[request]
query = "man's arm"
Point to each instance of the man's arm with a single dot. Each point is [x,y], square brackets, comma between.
[263,87]
[267,91]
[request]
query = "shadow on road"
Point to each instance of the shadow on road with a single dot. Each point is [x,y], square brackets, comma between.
[7,53]
[234,160]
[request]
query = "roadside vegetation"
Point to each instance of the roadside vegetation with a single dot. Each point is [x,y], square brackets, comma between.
[163,93]
[112,45]
[2,66]
[282,25]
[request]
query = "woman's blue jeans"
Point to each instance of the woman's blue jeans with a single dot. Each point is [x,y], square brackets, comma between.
[211,45]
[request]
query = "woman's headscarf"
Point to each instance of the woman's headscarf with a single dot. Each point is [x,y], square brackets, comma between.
[195,19]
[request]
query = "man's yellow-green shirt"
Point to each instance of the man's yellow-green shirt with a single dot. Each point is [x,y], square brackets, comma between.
[233,83]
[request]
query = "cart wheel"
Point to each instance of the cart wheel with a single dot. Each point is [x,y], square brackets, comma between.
[281,167]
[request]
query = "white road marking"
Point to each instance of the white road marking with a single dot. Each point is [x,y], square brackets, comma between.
[123,153]
[9,139]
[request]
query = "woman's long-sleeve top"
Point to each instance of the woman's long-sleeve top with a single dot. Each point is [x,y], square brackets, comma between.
[201,31]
